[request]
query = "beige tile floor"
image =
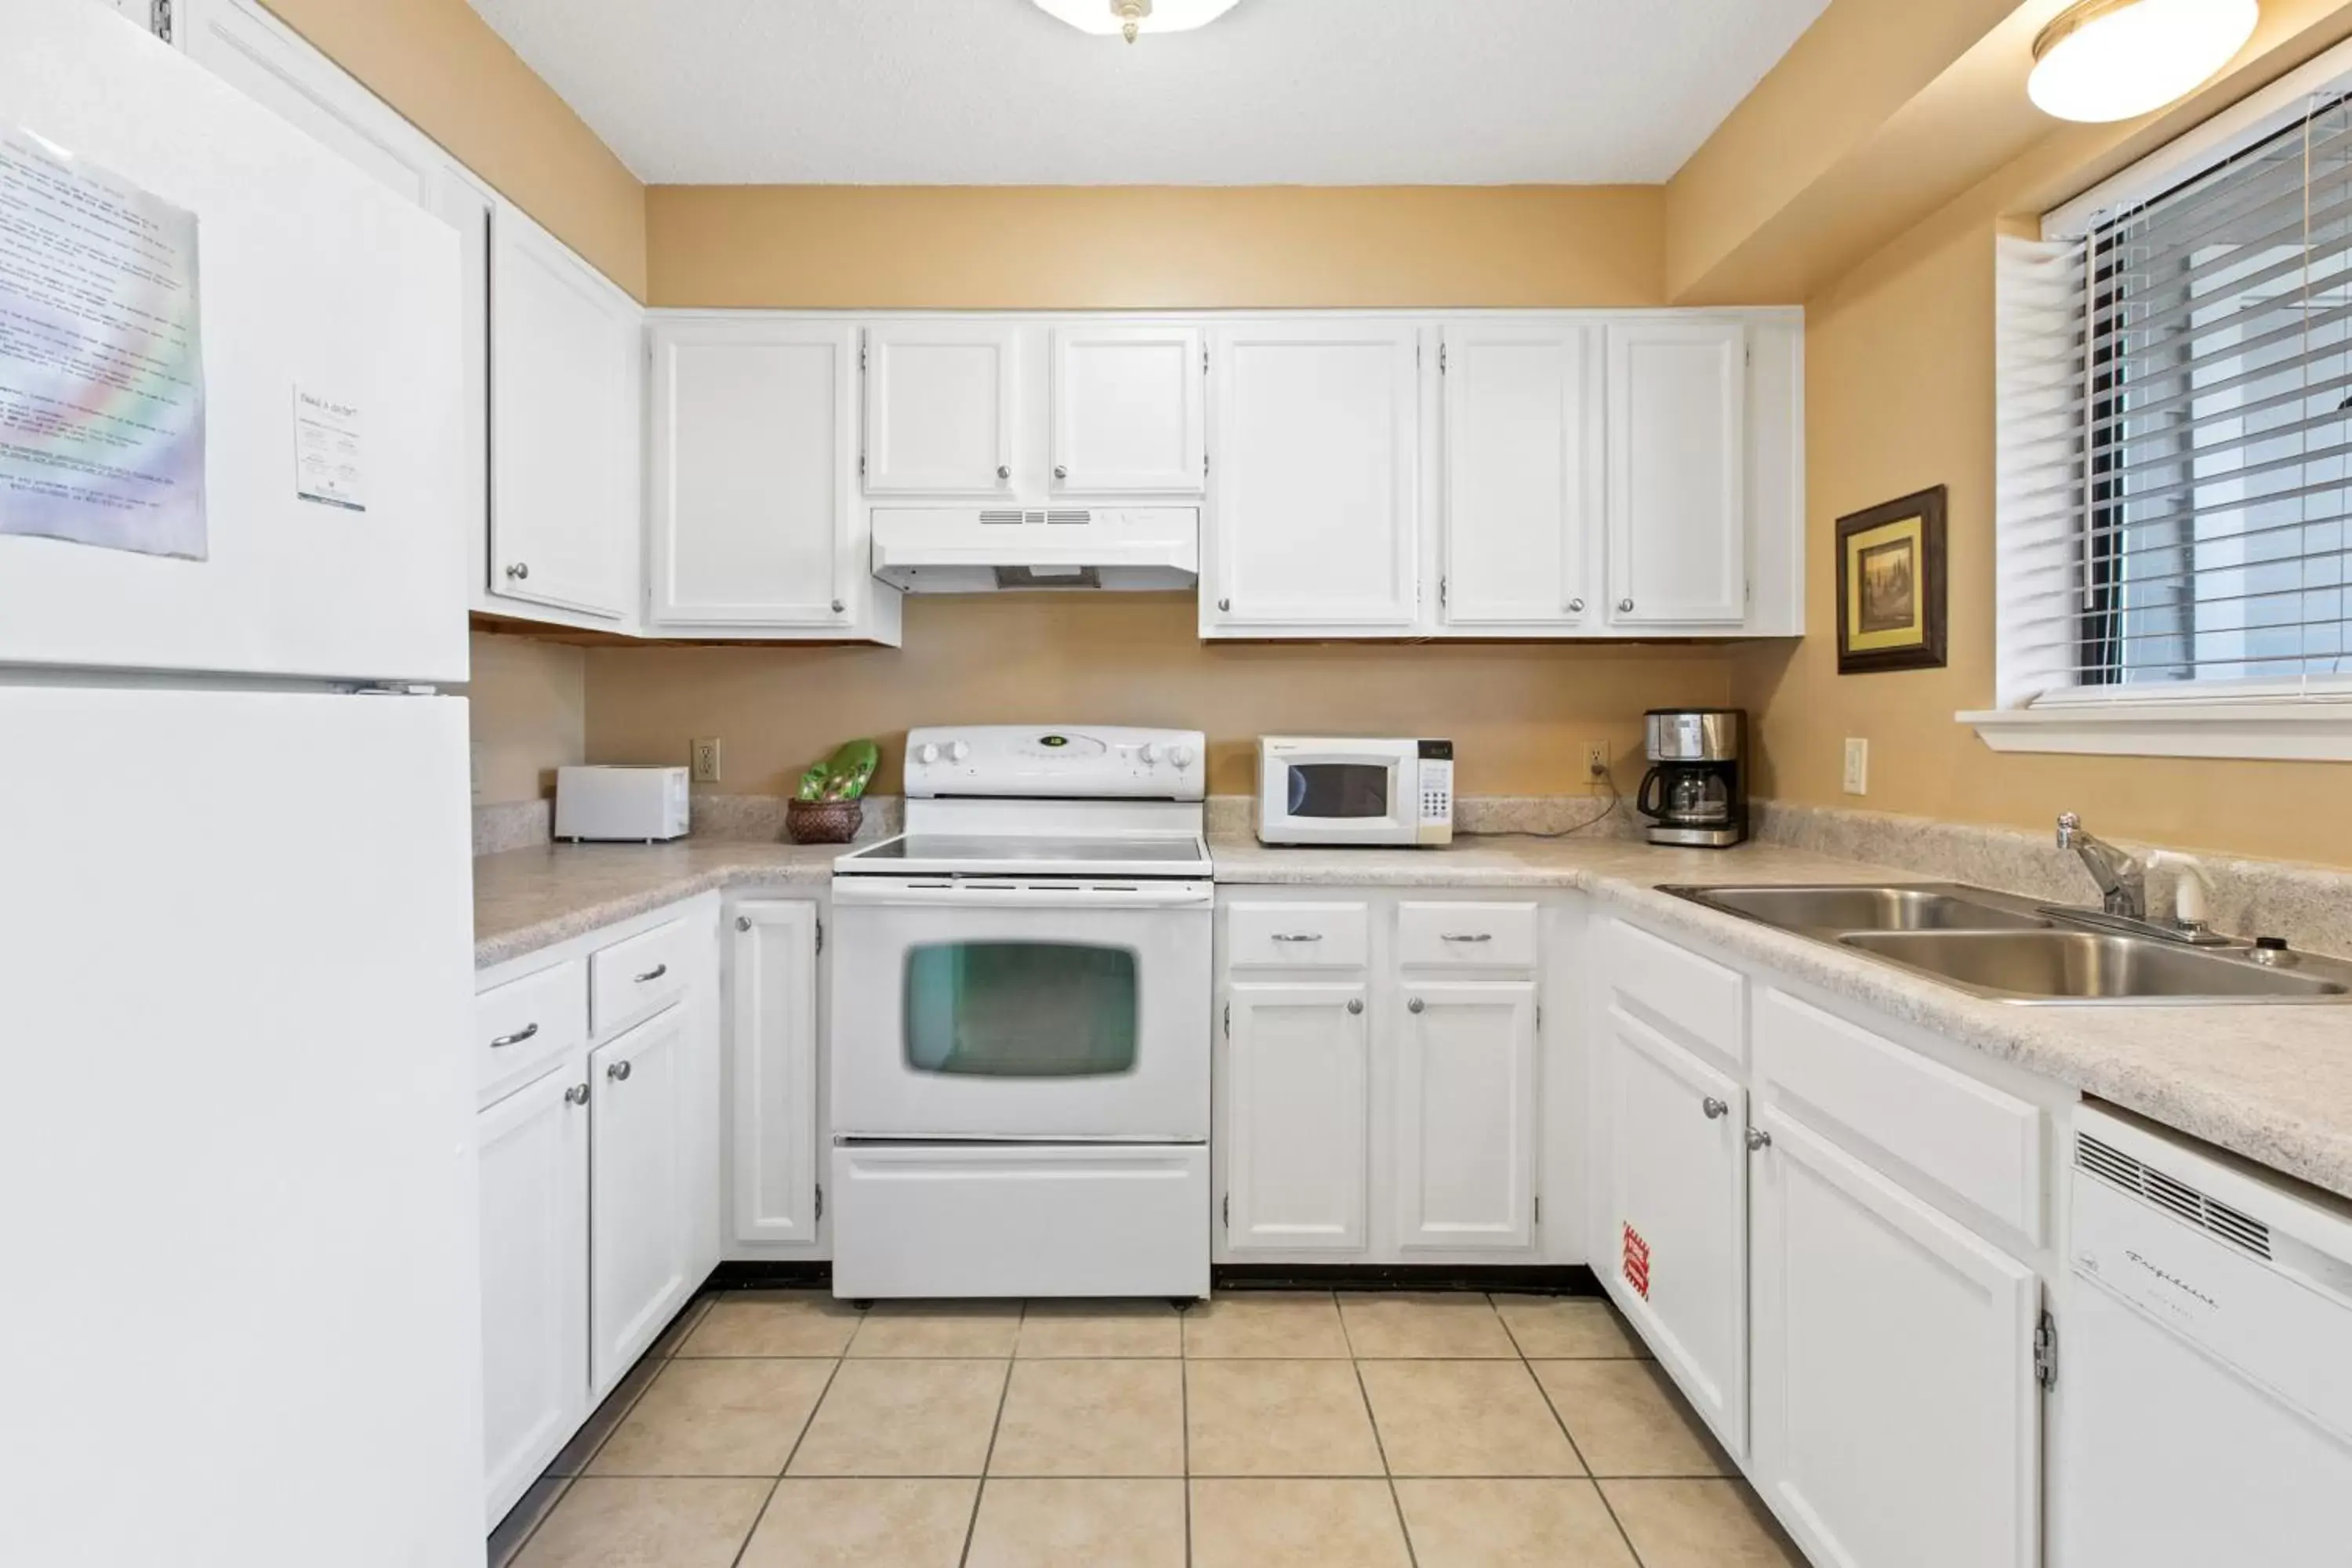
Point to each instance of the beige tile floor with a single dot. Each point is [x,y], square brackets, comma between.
[781,1429]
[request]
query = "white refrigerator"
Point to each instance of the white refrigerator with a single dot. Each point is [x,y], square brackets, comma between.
[238,1304]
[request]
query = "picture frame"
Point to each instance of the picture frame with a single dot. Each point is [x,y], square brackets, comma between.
[1891,586]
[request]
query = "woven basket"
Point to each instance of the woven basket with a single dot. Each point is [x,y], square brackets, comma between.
[823,821]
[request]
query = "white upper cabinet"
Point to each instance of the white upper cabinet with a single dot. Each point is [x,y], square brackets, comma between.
[941,402]
[566,378]
[1523,475]
[1677,472]
[1314,482]
[1129,410]
[754,519]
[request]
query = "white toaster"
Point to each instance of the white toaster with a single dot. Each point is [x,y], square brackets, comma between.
[639,804]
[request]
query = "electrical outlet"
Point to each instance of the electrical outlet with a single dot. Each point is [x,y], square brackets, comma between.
[706,759]
[1596,764]
[1857,767]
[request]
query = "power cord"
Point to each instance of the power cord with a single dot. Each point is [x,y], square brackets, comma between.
[1596,819]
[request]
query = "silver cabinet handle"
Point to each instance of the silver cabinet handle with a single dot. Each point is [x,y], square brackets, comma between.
[618,1072]
[1576,607]
[1413,1005]
[518,570]
[1004,471]
[1758,1139]
[1716,1110]
[1225,603]
[1298,936]
[1466,936]
[576,1095]
[1624,604]
[839,605]
[655,973]
[517,1037]
[1061,471]
[742,922]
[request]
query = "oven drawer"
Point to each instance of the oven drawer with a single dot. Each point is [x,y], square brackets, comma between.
[986,1219]
[1297,936]
[637,978]
[1466,936]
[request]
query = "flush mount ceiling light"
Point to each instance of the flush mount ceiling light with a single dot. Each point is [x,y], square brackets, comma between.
[1129,17]
[2114,60]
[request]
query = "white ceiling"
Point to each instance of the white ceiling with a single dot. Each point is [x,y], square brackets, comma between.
[1276,93]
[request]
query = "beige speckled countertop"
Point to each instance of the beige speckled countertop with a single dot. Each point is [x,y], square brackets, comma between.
[2271,1083]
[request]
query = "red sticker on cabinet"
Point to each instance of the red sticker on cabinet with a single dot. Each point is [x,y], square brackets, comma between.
[1637,1263]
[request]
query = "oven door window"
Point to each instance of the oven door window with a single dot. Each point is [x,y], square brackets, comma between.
[1340,791]
[1022,1009]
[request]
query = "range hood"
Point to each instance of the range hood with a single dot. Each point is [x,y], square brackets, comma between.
[979,550]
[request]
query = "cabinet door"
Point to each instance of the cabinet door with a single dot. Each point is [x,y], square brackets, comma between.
[754,438]
[640,1208]
[1296,1108]
[532,1150]
[1129,410]
[1314,485]
[1897,1419]
[1523,492]
[940,408]
[1675,1193]
[1677,472]
[1466,1116]
[565,372]
[771,1047]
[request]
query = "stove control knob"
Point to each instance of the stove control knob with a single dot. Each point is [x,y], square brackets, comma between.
[1150,753]
[927,754]
[957,750]
[1181,755]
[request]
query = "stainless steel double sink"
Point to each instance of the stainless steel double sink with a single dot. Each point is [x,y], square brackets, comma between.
[2015,950]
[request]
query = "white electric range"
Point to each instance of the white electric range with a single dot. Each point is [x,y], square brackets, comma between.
[1020,1001]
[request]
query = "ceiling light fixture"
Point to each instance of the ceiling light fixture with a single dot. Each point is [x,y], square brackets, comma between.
[1129,17]
[2115,60]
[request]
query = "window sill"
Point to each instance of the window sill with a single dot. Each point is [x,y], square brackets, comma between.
[2296,730]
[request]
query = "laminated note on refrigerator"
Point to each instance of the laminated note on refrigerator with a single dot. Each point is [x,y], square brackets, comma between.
[102,370]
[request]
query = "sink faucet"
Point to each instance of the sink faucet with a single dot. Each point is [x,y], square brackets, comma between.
[2123,880]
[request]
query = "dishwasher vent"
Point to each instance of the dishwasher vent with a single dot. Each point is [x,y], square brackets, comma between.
[2116,1168]
[995,515]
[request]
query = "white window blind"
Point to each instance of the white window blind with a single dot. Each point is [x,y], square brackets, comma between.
[2174,441]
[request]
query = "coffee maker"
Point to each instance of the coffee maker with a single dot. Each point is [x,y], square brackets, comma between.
[1696,792]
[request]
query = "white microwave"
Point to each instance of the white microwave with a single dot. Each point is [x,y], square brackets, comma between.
[1315,790]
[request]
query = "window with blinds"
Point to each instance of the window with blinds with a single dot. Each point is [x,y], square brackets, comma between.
[2176,435]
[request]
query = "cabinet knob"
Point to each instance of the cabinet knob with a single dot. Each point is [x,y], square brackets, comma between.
[1004,471]
[1758,1139]
[1716,1110]
[1225,603]
[839,605]
[742,922]
[518,570]
[1413,1005]
[1061,470]
[618,1072]
[1355,1005]
[1576,607]
[576,1095]
[1624,604]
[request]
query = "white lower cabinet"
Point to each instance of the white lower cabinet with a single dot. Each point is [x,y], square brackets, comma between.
[532,1155]
[1896,1423]
[1672,1243]
[637,1245]
[1296,1095]
[773,1128]
[1466,1116]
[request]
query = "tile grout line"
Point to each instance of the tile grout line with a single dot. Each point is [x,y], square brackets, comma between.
[776,1485]
[1184,1415]
[1003,1394]
[1573,1446]
[1356,1365]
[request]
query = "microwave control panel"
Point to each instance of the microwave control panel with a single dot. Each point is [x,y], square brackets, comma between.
[1436,825]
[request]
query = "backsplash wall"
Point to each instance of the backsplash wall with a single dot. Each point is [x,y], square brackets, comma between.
[1519,713]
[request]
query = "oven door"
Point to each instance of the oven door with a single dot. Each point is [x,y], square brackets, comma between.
[1006,1008]
[1339,796]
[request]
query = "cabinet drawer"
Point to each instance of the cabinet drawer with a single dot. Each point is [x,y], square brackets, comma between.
[634,979]
[1295,936]
[1695,994]
[1466,936]
[527,1022]
[1969,1138]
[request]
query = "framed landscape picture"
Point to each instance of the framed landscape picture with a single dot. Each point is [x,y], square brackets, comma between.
[1890,586]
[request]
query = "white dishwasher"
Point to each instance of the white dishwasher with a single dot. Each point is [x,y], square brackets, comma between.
[2205,1387]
